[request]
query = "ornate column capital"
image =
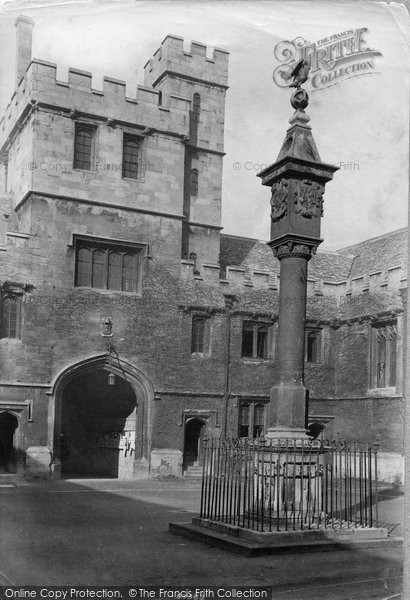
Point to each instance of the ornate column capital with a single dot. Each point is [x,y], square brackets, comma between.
[294,250]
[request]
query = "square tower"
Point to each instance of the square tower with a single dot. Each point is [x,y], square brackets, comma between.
[202,81]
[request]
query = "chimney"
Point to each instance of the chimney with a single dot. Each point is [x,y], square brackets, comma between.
[24,27]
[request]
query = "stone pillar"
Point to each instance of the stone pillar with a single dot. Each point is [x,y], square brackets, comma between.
[297,181]
[288,395]
[24,26]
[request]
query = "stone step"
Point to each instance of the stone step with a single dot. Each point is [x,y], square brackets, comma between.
[193,471]
[254,548]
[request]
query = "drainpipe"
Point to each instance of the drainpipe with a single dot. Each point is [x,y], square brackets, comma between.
[229,304]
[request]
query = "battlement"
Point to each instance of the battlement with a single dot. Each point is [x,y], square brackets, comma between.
[171,58]
[40,86]
[239,278]
[151,107]
[393,280]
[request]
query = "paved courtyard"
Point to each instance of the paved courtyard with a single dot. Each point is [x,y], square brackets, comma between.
[110,532]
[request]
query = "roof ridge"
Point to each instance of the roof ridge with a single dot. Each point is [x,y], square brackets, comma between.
[265,242]
[241,237]
[373,239]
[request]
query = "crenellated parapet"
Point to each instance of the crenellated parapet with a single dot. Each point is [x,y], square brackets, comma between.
[40,88]
[392,279]
[171,58]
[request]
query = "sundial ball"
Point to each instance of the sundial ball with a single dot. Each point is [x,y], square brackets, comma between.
[299,99]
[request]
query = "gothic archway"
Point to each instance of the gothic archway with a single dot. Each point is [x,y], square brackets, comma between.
[101,429]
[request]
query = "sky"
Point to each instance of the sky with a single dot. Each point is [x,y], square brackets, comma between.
[360,123]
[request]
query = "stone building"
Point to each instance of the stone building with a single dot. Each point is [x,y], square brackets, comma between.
[130,326]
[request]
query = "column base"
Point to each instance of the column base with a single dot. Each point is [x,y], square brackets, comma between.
[288,410]
[277,433]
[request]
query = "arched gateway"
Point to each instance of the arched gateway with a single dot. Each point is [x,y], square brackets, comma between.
[100,422]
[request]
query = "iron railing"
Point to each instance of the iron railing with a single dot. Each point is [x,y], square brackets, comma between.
[275,485]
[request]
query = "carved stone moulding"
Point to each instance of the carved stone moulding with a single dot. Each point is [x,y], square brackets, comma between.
[296,251]
[309,198]
[295,247]
[15,288]
[279,199]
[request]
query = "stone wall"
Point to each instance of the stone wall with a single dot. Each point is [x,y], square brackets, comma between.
[47,203]
[152,330]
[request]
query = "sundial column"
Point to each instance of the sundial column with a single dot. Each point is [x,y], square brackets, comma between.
[297,181]
[288,395]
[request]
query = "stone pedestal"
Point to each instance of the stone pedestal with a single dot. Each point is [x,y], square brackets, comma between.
[166,462]
[255,543]
[38,462]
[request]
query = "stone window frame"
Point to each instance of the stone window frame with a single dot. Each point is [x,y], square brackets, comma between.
[79,127]
[257,429]
[114,246]
[205,319]
[132,136]
[255,325]
[13,292]
[318,357]
[194,183]
[383,380]
[196,105]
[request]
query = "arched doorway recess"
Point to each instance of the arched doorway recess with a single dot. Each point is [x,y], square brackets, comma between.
[194,434]
[98,427]
[101,430]
[8,443]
